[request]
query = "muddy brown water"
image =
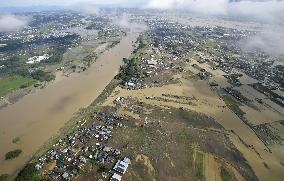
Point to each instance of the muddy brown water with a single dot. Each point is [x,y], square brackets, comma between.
[40,115]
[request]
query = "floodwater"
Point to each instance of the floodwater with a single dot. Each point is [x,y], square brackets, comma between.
[39,116]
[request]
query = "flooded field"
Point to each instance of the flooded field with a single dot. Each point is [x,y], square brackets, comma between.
[40,115]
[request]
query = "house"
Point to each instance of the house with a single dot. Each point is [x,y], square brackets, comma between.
[130,84]
[65,176]
[38,166]
[115,177]
[121,165]
[152,62]
[37,59]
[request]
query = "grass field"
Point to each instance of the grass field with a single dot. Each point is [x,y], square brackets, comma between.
[211,44]
[234,105]
[199,167]
[225,175]
[13,83]
[231,101]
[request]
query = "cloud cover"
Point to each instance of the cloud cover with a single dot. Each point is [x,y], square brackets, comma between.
[124,21]
[86,8]
[264,10]
[270,42]
[10,22]
[261,9]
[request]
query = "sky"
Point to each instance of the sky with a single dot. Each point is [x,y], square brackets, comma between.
[256,8]
[65,2]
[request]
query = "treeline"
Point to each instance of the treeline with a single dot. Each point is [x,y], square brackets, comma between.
[127,70]
[130,67]
[90,58]
[29,173]
[12,154]
[57,55]
[15,45]
[42,76]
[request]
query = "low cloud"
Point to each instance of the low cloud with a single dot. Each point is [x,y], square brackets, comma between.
[157,4]
[87,8]
[267,41]
[200,6]
[124,21]
[11,23]
[269,10]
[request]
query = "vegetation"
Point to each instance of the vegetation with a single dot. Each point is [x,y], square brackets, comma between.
[43,76]
[128,69]
[13,154]
[14,66]
[230,101]
[101,168]
[142,42]
[183,136]
[28,173]
[18,73]
[188,117]
[190,76]
[90,58]
[114,43]
[211,44]
[16,140]
[198,165]
[225,175]
[130,65]
[106,92]
[4,177]
[57,56]
[234,105]
[13,83]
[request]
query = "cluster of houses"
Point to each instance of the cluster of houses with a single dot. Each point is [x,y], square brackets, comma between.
[276,97]
[227,54]
[234,79]
[87,145]
[173,40]
[216,46]
[151,72]
[168,45]
[236,94]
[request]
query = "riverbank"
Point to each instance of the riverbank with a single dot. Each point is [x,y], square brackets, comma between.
[71,125]
[42,114]
[22,87]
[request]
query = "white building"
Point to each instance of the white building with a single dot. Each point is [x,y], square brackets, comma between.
[37,59]
[115,177]
[122,165]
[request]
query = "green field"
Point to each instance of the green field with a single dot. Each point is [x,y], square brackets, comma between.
[13,83]
[211,44]
[225,175]
[199,170]
[231,101]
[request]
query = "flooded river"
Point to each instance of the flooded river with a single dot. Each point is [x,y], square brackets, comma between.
[38,116]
